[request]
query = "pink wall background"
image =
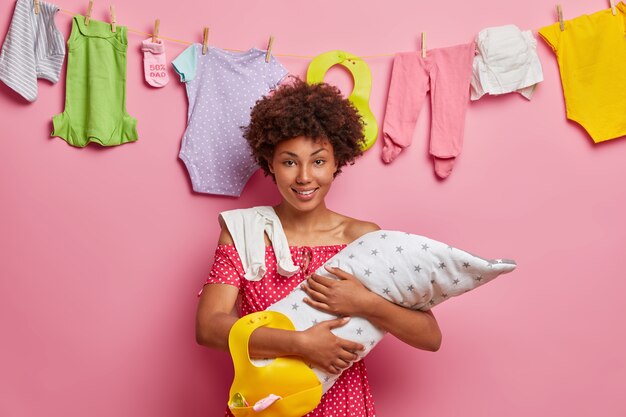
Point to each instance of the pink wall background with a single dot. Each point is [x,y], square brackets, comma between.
[102,251]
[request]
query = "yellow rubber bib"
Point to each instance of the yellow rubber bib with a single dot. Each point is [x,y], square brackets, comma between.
[362,86]
[287,377]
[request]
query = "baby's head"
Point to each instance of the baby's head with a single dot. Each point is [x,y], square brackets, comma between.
[316,111]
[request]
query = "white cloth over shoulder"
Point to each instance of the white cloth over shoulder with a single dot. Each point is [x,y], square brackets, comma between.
[247,227]
[506,61]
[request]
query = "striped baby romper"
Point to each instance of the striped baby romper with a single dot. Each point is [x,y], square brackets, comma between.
[33,48]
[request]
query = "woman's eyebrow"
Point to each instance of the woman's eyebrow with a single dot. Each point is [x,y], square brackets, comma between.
[295,155]
[318,151]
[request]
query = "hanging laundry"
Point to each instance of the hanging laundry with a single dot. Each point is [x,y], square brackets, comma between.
[591,54]
[222,87]
[95,95]
[506,61]
[33,48]
[360,95]
[446,73]
[154,61]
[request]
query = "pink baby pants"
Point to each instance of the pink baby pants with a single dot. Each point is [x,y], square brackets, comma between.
[446,73]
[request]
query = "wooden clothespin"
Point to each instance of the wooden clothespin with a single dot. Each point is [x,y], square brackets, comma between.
[36,6]
[88,15]
[205,41]
[155,32]
[113,20]
[559,13]
[269,49]
[423,44]
[612,3]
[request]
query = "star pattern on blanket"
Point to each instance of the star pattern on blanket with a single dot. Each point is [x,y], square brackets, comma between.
[408,270]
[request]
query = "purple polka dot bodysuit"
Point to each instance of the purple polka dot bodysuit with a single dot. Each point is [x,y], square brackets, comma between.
[222,87]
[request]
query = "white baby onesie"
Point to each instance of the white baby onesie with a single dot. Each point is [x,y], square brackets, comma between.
[506,62]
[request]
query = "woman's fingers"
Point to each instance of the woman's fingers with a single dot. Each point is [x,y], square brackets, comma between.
[320,280]
[348,356]
[351,346]
[339,273]
[342,364]
[316,304]
[315,285]
[334,323]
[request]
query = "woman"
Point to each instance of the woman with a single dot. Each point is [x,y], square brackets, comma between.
[302,136]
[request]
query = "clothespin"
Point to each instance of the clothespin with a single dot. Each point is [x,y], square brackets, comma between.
[612,3]
[88,15]
[36,6]
[269,49]
[205,40]
[113,21]
[559,13]
[423,44]
[155,32]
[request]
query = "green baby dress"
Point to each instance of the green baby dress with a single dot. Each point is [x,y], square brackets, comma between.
[95,95]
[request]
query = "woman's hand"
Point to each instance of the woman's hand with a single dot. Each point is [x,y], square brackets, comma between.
[346,296]
[322,349]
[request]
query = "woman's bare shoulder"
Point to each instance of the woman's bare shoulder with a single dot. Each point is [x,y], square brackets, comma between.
[225,237]
[356,228]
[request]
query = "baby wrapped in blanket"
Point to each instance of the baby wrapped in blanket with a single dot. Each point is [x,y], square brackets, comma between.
[407,269]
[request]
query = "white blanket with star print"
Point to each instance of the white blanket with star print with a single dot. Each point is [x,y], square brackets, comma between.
[410,270]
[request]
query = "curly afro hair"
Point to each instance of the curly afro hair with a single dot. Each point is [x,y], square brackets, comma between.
[317,111]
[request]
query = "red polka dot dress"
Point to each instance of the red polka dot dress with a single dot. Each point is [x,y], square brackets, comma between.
[350,395]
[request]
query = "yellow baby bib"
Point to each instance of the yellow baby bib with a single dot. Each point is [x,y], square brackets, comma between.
[287,377]
[362,86]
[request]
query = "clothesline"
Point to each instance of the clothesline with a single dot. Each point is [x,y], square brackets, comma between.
[139,32]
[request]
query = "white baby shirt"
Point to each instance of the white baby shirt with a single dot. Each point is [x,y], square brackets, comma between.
[506,61]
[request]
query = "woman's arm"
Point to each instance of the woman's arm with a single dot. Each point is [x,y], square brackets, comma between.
[317,345]
[349,297]
[416,328]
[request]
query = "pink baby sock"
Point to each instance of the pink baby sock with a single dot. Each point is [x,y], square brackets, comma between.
[154,62]
[443,166]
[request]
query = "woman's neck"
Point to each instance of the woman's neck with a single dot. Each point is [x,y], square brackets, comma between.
[299,221]
[319,226]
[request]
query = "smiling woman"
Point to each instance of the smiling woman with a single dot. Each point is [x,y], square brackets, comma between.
[302,136]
